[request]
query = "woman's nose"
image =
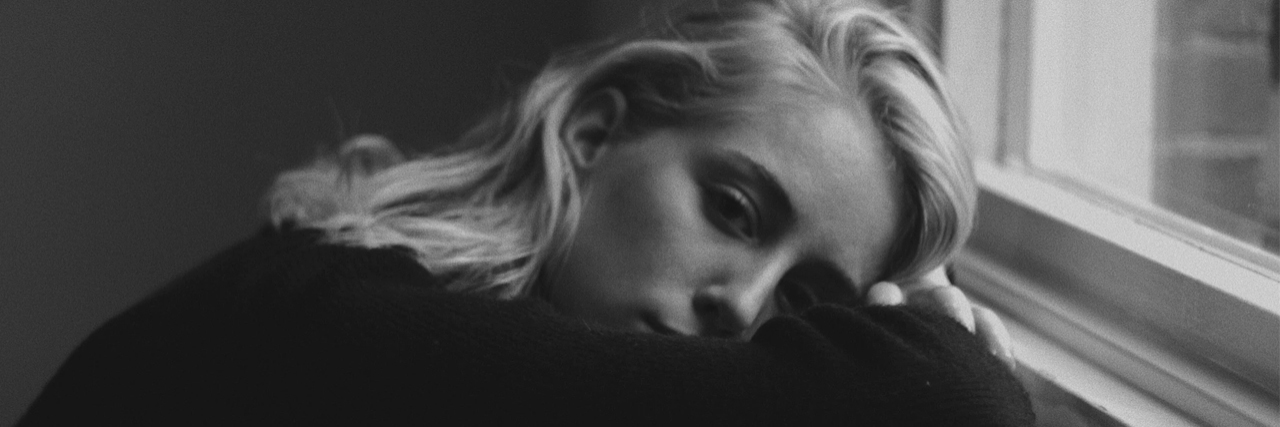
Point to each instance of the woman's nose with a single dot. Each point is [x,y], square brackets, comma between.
[728,308]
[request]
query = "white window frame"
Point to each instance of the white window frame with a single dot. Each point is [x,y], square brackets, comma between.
[1150,319]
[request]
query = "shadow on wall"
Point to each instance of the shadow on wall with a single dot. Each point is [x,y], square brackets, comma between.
[138,136]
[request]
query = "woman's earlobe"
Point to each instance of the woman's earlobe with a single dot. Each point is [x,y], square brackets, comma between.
[591,125]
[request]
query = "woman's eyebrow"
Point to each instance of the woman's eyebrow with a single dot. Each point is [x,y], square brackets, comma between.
[775,197]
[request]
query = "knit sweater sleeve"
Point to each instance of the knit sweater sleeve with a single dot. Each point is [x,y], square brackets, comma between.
[287,331]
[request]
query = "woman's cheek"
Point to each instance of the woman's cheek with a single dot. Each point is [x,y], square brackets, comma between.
[679,235]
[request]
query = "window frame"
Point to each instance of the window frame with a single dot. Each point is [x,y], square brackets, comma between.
[1145,316]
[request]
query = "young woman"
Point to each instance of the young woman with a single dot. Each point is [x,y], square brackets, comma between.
[683,227]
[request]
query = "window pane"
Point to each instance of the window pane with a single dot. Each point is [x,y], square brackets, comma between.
[1218,151]
[1166,102]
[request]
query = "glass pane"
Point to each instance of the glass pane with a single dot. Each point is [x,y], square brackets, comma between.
[1217,147]
[1171,103]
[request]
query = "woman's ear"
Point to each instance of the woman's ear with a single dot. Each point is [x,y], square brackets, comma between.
[592,123]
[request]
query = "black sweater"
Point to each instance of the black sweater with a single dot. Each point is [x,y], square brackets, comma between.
[282,329]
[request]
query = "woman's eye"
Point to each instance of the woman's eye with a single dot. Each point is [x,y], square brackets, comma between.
[732,211]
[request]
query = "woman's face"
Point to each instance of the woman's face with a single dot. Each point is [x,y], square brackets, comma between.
[712,232]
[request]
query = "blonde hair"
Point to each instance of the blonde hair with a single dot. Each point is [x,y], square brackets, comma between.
[498,207]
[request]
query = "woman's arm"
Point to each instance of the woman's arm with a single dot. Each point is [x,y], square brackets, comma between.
[284,330]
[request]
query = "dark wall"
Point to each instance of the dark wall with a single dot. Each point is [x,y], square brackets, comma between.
[137,137]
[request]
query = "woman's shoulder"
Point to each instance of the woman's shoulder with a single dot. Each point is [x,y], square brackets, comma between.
[280,281]
[282,260]
[228,332]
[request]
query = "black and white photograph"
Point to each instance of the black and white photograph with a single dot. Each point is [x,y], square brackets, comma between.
[996,213]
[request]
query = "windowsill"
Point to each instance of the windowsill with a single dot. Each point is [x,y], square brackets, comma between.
[1255,280]
[1063,385]
[1112,309]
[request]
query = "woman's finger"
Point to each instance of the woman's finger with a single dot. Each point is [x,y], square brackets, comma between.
[935,278]
[950,300]
[991,330]
[885,293]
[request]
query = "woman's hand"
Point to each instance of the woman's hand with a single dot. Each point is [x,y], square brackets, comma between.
[935,291]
